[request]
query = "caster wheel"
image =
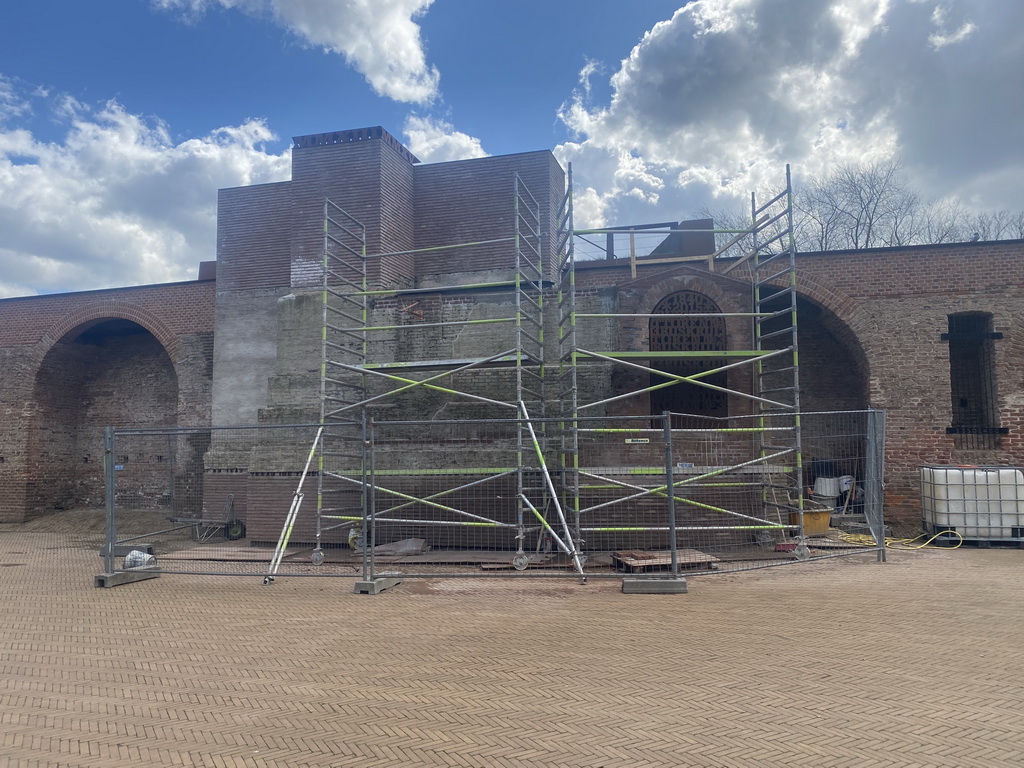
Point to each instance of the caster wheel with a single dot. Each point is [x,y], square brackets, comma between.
[317,558]
[234,530]
[520,562]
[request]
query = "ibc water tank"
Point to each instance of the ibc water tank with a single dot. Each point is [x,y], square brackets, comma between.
[977,502]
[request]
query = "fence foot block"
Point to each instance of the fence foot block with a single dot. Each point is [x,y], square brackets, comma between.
[638,585]
[125,577]
[378,585]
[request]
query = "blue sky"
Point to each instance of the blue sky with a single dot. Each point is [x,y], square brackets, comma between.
[119,121]
[505,69]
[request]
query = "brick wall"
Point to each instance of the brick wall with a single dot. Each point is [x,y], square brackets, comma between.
[896,303]
[58,388]
[473,200]
[254,237]
[372,182]
[871,321]
[870,335]
[83,386]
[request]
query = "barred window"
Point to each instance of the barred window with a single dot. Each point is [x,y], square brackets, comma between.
[688,334]
[972,380]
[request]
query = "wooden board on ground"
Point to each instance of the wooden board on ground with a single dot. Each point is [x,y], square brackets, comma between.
[638,561]
[433,557]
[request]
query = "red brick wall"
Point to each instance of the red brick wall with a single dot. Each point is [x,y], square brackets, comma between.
[167,311]
[877,341]
[54,395]
[896,302]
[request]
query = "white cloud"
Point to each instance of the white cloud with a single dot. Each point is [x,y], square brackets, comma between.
[117,201]
[716,100]
[378,37]
[590,69]
[435,141]
[942,38]
[12,105]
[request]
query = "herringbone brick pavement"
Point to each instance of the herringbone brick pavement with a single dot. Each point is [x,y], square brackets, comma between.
[918,662]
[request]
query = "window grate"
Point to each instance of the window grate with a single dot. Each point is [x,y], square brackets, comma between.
[975,413]
[690,334]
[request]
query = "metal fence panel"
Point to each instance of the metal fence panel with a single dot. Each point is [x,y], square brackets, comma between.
[655,496]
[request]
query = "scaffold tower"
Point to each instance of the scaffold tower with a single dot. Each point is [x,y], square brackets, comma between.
[520,445]
[473,355]
[735,476]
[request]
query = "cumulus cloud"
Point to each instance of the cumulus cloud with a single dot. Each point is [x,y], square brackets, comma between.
[117,201]
[433,140]
[714,101]
[380,38]
[12,105]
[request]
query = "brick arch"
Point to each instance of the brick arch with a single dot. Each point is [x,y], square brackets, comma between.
[838,303]
[840,309]
[659,290]
[112,309]
[69,410]
[639,328]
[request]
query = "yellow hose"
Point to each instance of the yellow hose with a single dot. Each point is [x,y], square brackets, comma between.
[868,541]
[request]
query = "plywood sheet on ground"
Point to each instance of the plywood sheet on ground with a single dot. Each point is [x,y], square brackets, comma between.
[637,561]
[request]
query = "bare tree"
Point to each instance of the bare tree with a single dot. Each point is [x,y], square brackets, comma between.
[871,206]
[944,221]
[820,215]
[860,206]
[1000,225]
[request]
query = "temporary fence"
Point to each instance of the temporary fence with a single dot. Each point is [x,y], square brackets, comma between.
[662,495]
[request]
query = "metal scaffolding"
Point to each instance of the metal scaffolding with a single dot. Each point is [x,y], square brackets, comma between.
[732,486]
[382,345]
[535,454]
[544,420]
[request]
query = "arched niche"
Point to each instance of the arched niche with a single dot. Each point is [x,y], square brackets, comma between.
[103,372]
[688,334]
[833,368]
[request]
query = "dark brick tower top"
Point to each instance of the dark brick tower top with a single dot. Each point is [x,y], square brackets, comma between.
[270,235]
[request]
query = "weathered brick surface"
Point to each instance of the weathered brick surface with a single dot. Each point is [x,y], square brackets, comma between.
[871,330]
[59,389]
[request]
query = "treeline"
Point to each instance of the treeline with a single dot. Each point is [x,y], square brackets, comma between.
[872,206]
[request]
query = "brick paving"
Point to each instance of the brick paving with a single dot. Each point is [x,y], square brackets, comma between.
[917,662]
